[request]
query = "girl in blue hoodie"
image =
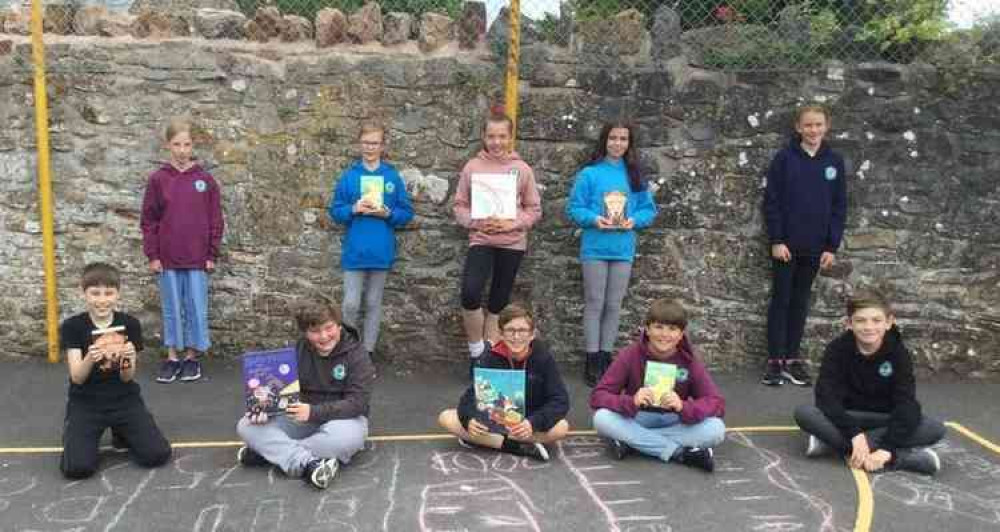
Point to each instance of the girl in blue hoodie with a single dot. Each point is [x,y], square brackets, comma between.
[610,201]
[370,200]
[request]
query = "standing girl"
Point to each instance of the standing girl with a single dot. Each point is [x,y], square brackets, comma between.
[496,243]
[370,200]
[181,231]
[805,204]
[610,201]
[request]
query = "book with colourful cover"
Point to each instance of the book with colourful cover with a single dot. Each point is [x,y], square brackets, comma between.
[372,187]
[499,398]
[270,380]
[661,377]
[493,196]
[111,340]
[615,202]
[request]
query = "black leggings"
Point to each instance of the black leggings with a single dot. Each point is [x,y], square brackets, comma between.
[812,421]
[480,262]
[786,316]
[128,418]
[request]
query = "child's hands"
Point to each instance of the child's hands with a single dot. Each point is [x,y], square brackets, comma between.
[826,260]
[95,355]
[877,460]
[671,401]
[627,224]
[126,357]
[644,397]
[299,412]
[859,451]
[257,419]
[605,223]
[523,431]
[781,252]
[477,429]
[362,207]
[156,266]
[210,266]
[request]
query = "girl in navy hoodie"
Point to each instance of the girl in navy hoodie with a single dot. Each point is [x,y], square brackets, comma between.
[805,204]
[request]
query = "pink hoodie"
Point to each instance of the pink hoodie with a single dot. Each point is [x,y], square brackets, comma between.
[529,208]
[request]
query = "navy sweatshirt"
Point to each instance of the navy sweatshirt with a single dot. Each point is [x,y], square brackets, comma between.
[882,382]
[805,201]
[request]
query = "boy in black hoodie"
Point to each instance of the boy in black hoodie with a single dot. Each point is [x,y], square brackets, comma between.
[866,407]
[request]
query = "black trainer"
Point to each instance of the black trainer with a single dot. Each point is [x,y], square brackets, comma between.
[772,374]
[190,370]
[169,371]
[699,457]
[796,372]
[618,449]
[591,368]
[522,448]
[604,362]
[319,473]
[251,458]
[920,460]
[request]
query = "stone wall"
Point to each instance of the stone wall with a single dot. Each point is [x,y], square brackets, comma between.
[277,122]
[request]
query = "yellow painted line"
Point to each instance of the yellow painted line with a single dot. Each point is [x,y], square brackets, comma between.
[866,503]
[29,450]
[973,436]
[774,428]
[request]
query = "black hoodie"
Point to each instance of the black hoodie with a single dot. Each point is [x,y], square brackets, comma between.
[882,382]
[337,386]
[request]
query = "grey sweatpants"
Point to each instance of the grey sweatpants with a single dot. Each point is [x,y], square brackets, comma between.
[354,286]
[291,445]
[604,286]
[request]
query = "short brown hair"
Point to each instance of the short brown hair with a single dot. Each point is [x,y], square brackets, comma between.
[100,274]
[667,312]
[498,117]
[512,312]
[177,125]
[868,298]
[316,311]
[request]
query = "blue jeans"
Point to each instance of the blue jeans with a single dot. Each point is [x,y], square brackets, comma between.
[355,282]
[184,300]
[658,435]
[291,445]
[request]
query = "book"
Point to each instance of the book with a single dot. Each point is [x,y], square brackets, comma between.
[499,398]
[111,340]
[270,380]
[661,377]
[493,196]
[614,206]
[372,187]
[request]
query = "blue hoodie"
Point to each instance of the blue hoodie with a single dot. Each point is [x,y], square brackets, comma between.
[586,204]
[369,242]
[805,201]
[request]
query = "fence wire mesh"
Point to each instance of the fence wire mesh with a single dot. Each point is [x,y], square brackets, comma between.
[721,34]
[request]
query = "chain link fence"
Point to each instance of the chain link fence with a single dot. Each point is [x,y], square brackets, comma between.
[718,34]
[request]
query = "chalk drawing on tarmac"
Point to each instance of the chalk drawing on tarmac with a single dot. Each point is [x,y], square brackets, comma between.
[477,504]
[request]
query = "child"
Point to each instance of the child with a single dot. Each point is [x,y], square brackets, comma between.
[329,424]
[805,204]
[546,400]
[866,405]
[610,201]
[102,390]
[686,422]
[369,245]
[181,231]
[496,245]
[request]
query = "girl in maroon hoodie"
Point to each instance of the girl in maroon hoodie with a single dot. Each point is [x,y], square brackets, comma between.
[680,425]
[181,231]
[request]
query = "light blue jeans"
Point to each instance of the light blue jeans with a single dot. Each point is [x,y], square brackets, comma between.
[184,301]
[658,435]
[291,445]
[371,283]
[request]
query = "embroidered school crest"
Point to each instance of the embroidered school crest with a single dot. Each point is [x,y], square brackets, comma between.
[200,185]
[339,372]
[885,369]
[390,187]
[831,173]
[682,374]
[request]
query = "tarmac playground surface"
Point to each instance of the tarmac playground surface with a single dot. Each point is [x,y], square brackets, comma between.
[412,477]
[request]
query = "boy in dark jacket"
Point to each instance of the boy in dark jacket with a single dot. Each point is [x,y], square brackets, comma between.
[866,406]
[686,422]
[546,399]
[329,424]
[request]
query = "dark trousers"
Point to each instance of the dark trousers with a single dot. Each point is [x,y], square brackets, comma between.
[480,263]
[812,421]
[128,419]
[786,316]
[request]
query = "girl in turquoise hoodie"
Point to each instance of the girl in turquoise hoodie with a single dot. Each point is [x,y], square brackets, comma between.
[610,201]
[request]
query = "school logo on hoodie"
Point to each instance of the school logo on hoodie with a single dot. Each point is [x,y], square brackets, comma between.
[339,372]
[390,187]
[831,173]
[200,185]
[682,374]
[885,369]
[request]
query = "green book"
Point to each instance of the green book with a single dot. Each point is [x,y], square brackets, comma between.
[372,187]
[661,377]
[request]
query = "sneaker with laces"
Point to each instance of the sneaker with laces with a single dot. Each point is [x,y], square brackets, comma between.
[190,370]
[772,374]
[618,449]
[169,371]
[536,451]
[922,460]
[320,472]
[816,447]
[250,458]
[698,457]
[796,372]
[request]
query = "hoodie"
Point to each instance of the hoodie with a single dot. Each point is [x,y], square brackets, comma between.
[181,218]
[882,382]
[694,385]
[805,201]
[337,386]
[529,208]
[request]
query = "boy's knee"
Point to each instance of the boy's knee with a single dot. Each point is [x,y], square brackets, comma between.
[715,430]
[448,420]
[557,432]
[803,413]
[603,418]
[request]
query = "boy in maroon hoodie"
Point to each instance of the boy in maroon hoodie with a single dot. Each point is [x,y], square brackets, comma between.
[681,425]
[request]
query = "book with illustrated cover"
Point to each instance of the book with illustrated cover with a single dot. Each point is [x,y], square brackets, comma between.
[270,380]
[499,398]
[661,377]
[614,206]
[493,196]
[372,187]
[112,341]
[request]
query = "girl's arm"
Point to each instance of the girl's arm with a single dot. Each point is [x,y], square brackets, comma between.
[838,214]
[402,209]
[341,208]
[644,211]
[80,365]
[218,225]
[578,207]
[149,221]
[462,206]
[530,209]
[773,196]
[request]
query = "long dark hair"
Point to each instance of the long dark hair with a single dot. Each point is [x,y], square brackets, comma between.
[635,179]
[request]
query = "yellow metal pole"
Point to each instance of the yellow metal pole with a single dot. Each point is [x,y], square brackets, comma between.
[513,59]
[45,182]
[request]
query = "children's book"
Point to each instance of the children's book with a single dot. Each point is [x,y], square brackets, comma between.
[661,377]
[614,206]
[494,195]
[270,380]
[499,398]
[371,190]
[112,341]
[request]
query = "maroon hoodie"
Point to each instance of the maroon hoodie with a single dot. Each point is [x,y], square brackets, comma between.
[181,218]
[624,378]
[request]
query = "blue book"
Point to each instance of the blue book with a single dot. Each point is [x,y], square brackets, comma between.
[499,398]
[270,380]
